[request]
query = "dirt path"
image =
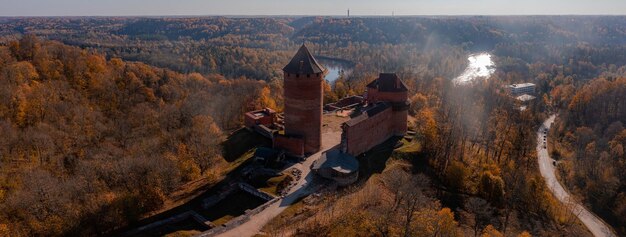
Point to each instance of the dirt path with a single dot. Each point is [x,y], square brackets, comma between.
[256,222]
[597,227]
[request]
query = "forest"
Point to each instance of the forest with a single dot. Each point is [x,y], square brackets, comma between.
[591,140]
[104,118]
[91,144]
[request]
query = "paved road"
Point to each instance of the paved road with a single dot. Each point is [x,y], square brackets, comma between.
[597,227]
[256,222]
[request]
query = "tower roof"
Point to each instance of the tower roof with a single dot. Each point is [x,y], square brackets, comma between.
[303,63]
[388,82]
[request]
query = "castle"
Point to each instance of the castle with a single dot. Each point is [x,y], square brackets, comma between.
[303,78]
[382,114]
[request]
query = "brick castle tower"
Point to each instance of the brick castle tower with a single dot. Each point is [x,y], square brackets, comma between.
[303,93]
[390,89]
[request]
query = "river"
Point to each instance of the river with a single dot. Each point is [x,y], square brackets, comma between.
[480,67]
[335,68]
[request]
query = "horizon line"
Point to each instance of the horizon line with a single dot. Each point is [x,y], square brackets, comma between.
[304,15]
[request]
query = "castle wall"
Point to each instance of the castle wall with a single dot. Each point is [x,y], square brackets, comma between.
[292,145]
[373,96]
[400,108]
[399,122]
[366,134]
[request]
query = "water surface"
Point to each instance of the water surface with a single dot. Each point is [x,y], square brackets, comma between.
[480,67]
[336,68]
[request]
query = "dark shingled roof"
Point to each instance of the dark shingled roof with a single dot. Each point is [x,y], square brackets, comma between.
[368,113]
[388,82]
[303,63]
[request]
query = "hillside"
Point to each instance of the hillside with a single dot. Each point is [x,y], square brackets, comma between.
[111,123]
[91,144]
[591,140]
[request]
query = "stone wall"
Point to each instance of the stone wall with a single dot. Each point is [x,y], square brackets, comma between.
[292,145]
[177,218]
[369,133]
[237,221]
[251,190]
[212,200]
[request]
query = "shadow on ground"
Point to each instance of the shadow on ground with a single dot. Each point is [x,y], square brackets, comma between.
[236,145]
[375,160]
[241,141]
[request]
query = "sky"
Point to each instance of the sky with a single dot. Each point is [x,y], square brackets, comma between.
[311,7]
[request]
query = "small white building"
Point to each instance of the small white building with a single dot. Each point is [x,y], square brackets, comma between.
[519,89]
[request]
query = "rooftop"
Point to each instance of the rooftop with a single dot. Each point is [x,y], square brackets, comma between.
[388,82]
[338,161]
[368,112]
[303,63]
[522,85]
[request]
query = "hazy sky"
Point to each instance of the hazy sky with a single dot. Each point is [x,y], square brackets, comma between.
[311,7]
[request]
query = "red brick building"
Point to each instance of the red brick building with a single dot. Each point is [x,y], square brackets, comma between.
[384,116]
[303,77]
[263,117]
[390,89]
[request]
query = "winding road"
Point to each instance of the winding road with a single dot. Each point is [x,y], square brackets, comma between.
[547,168]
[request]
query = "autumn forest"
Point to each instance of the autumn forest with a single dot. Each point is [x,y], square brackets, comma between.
[105,121]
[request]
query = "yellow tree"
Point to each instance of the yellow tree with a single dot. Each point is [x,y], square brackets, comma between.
[329,95]
[430,222]
[265,99]
[490,231]
[427,127]
[188,168]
